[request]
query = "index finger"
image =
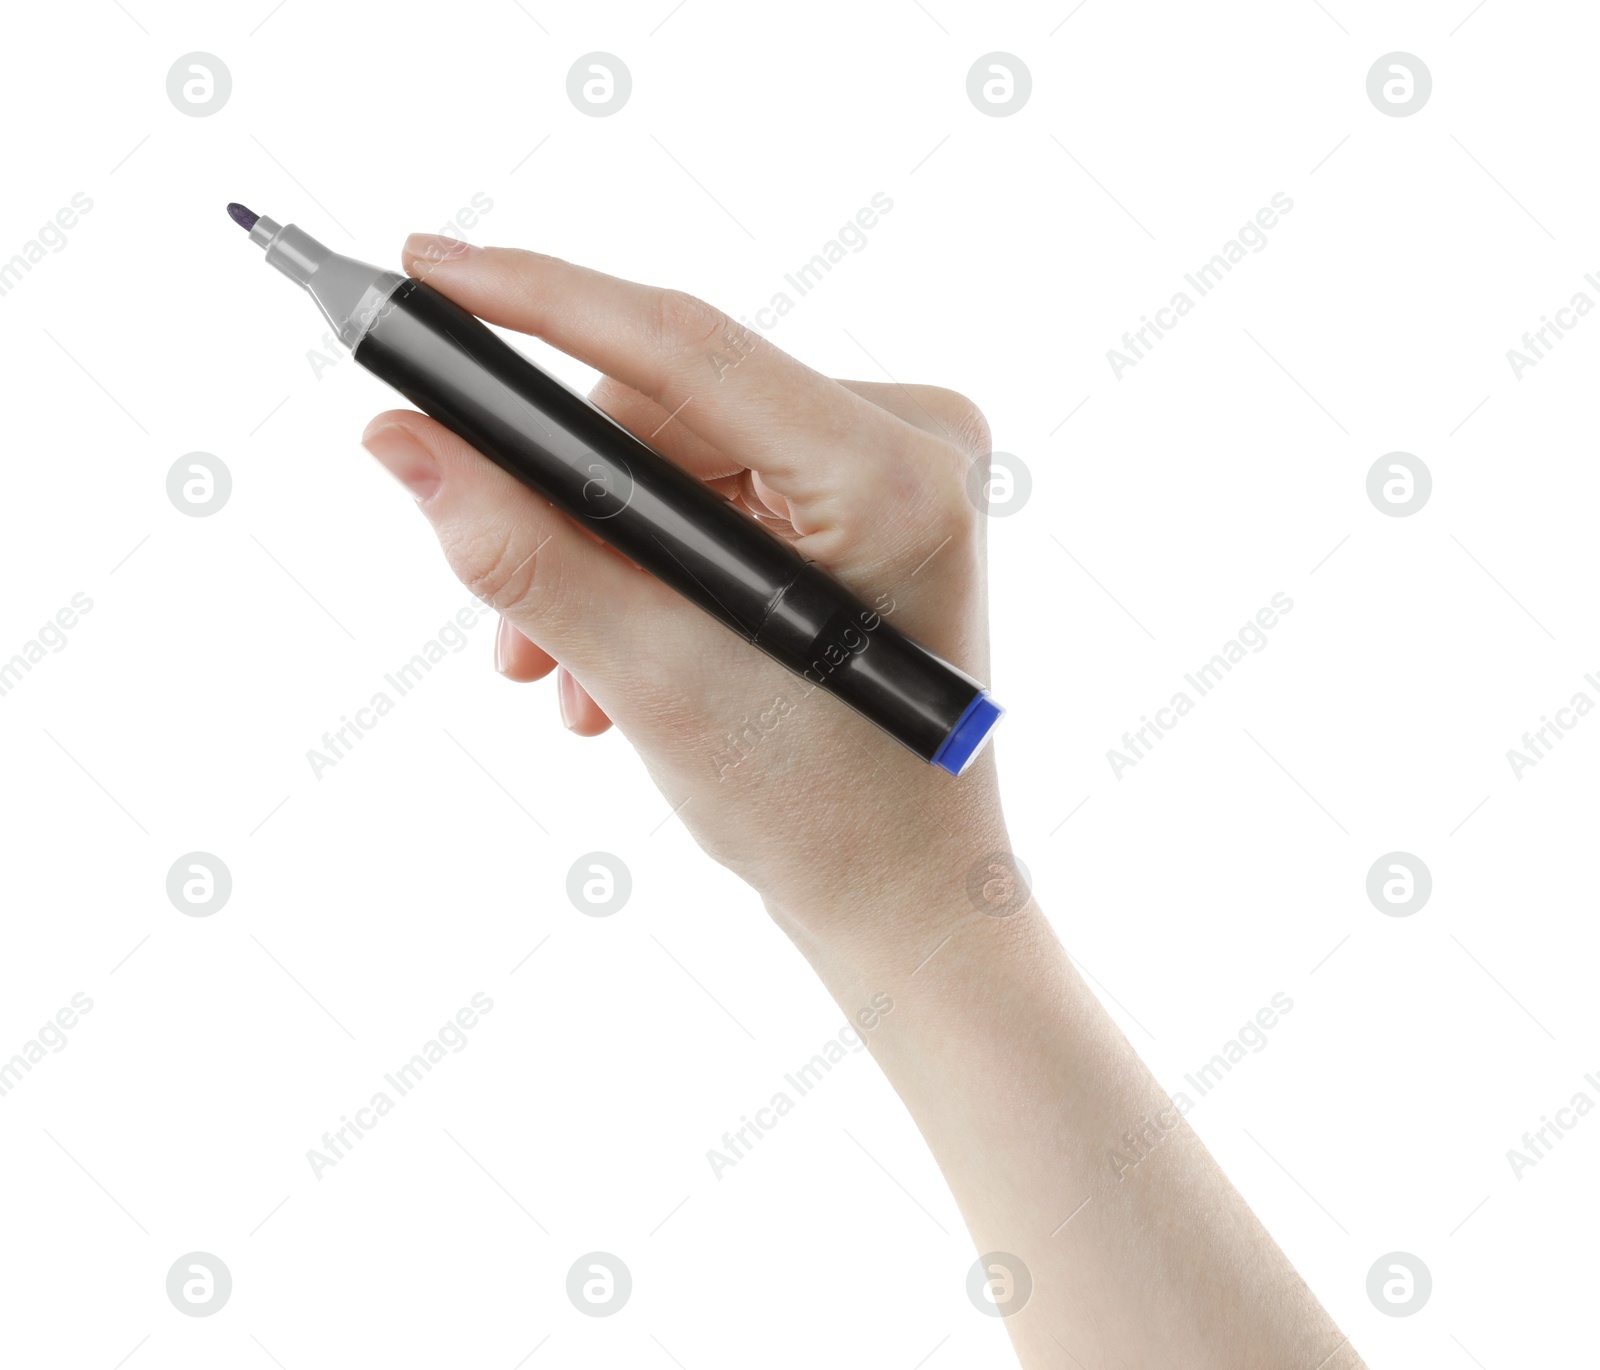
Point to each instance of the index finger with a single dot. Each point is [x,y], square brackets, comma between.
[723,381]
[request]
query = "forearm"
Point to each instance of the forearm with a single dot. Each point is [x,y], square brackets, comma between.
[1023,1087]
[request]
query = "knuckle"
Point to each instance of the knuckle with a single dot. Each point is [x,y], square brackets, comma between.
[608,393]
[937,487]
[975,473]
[965,424]
[948,466]
[952,509]
[499,566]
[617,401]
[685,322]
[961,464]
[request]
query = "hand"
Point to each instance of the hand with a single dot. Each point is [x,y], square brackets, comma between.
[1016,1076]
[776,779]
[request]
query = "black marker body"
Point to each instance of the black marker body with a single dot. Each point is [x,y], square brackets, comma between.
[451,366]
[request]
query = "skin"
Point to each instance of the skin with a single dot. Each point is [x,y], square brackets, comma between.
[861,852]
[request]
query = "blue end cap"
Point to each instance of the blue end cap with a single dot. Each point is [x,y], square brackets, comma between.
[966,739]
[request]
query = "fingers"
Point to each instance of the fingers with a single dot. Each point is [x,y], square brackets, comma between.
[939,412]
[518,657]
[578,711]
[827,451]
[646,419]
[512,549]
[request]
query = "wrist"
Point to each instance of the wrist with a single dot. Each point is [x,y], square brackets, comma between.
[948,936]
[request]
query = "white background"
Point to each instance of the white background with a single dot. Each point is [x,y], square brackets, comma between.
[1230,865]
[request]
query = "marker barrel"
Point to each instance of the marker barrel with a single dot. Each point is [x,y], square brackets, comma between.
[451,366]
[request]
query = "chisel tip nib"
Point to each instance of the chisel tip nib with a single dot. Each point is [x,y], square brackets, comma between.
[245,218]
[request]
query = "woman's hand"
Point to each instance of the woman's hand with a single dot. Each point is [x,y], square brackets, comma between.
[866,855]
[776,779]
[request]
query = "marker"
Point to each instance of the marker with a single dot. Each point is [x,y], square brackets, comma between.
[552,439]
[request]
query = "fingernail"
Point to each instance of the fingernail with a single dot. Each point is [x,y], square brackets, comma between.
[567,695]
[434,247]
[502,646]
[406,459]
